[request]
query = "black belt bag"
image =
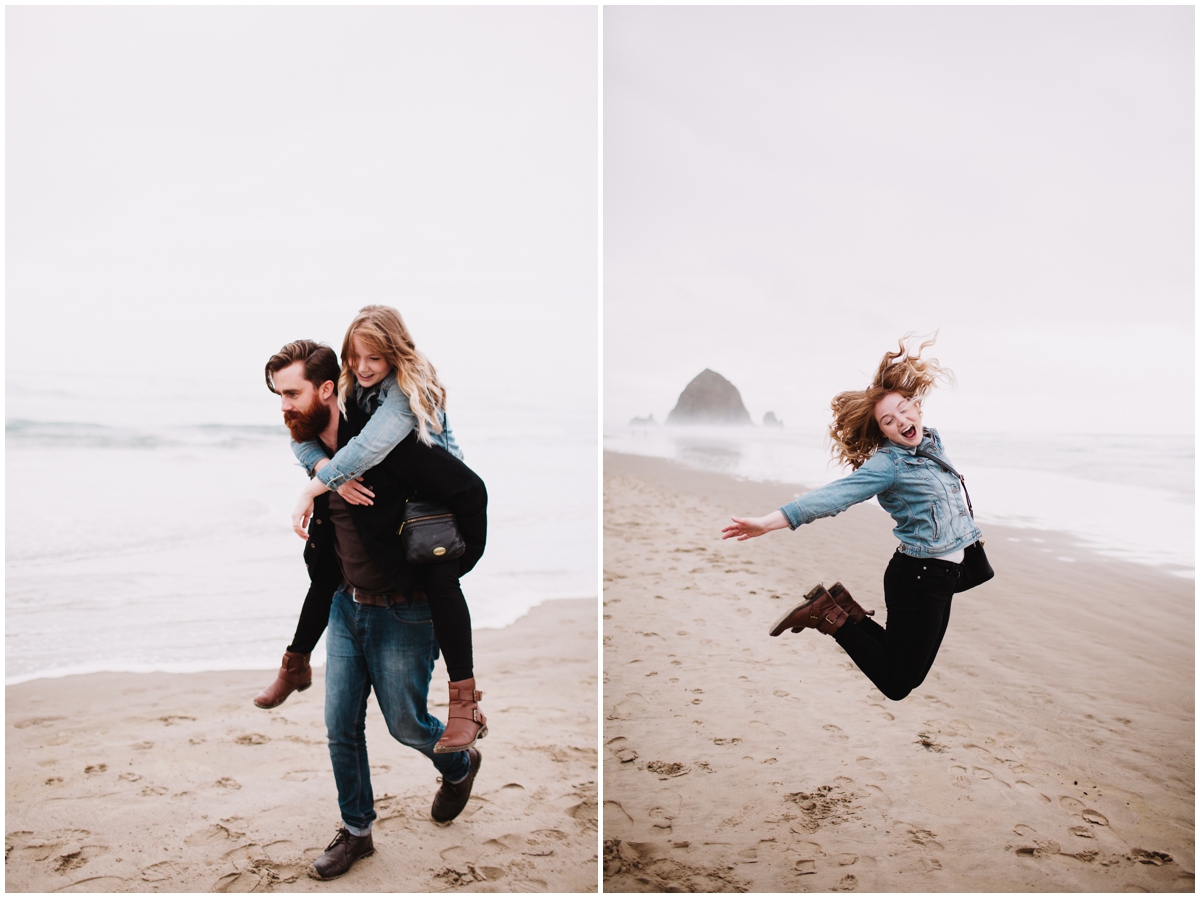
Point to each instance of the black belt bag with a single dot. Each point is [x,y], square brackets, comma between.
[975,567]
[429,533]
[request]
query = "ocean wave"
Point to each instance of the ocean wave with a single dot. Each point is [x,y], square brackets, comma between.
[79,434]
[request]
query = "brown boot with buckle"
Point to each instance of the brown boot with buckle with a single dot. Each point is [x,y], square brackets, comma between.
[294,676]
[798,618]
[842,596]
[465,723]
[343,851]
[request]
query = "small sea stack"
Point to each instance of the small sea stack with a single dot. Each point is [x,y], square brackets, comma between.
[709,399]
[769,420]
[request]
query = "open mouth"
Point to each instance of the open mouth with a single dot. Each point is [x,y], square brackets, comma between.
[910,433]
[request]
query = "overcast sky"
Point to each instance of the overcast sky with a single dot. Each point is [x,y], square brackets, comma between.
[188,188]
[789,189]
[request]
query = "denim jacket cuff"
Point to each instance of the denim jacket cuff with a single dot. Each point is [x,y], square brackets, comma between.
[792,513]
[331,477]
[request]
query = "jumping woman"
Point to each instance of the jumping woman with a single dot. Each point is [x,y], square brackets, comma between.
[878,433]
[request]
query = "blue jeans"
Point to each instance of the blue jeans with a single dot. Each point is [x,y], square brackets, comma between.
[391,650]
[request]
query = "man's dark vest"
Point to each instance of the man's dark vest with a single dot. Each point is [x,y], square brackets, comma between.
[411,470]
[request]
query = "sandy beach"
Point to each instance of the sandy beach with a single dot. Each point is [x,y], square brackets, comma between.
[176,782]
[1050,749]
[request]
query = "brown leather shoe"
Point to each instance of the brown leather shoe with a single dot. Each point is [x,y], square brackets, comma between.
[452,797]
[294,676]
[797,619]
[820,610]
[341,854]
[465,723]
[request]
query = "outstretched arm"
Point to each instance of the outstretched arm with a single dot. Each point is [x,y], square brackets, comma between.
[745,528]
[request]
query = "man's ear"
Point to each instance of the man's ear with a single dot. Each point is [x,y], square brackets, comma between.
[326,390]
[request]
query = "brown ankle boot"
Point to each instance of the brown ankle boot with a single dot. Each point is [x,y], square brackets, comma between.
[800,616]
[465,723]
[842,596]
[294,676]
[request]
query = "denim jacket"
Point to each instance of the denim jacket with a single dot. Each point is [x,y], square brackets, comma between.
[391,421]
[924,499]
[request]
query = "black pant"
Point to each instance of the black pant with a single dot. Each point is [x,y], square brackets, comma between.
[447,608]
[918,593]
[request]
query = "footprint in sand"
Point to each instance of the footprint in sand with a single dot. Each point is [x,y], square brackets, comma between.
[1094,817]
[959,778]
[625,755]
[100,768]
[805,867]
[1084,832]
[633,705]
[847,883]
[878,798]
[980,751]
[1024,829]
[872,767]
[1040,796]
[835,733]
[665,809]
[1070,805]
[984,774]
[882,710]
[160,872]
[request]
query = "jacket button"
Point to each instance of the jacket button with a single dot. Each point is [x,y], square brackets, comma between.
[314,545]
[317,521]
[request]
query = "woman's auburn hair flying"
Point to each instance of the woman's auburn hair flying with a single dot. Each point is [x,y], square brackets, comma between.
[855,433]
[382,331]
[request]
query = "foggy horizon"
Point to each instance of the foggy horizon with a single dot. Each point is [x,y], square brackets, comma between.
[788,190]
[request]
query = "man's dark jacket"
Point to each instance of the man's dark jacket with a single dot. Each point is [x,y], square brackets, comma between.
[412,470]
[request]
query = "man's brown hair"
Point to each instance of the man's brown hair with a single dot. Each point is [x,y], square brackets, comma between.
[320,362]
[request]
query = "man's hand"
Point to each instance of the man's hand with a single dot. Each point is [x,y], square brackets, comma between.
[355,493]
[304,507]
[300,515]
[747,528]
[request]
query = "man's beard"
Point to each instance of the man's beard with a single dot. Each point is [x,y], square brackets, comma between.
[309,424]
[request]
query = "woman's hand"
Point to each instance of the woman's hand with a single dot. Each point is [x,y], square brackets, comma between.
[745,528]
[355,493]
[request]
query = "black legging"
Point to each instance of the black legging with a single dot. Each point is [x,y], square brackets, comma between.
[447,608]
[918,593]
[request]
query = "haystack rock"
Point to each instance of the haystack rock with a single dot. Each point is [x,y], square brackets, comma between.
[709,399]
[769,420]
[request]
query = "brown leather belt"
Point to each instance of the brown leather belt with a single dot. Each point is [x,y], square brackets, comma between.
[382,600]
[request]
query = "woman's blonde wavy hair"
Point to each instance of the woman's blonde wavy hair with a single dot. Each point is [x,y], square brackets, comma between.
[382,331]
[855,433]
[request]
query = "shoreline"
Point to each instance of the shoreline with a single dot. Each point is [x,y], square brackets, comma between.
[1050,748]
[234,667]
[177,782]
[1062,502]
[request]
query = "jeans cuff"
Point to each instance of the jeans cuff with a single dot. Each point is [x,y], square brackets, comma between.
[355,831]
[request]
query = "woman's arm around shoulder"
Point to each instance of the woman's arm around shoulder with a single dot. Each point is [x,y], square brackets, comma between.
[390,424]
